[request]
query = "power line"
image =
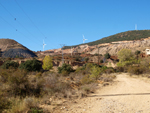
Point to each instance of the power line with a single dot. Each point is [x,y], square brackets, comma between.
[13,27]
[30,19]
[8,23]
[17,21]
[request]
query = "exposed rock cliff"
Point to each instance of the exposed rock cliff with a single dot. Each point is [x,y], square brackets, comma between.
[114,47]
[11,48]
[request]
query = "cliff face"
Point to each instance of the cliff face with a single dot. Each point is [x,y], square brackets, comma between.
[114,47]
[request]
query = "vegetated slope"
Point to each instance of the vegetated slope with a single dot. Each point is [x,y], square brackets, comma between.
[124,36]
[11,48]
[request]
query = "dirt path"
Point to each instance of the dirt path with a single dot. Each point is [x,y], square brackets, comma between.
[127,95]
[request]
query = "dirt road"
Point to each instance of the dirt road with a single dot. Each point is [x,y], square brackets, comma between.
[126,95]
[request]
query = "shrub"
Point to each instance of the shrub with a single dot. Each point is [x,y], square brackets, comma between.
[86,59]
[89,88]
[101,61]
[126,58]
[137,52]
[65,73]
[136,70]
[66,68]
[96,72]
[4,102]
[26,105]
[9,64]
[18,83]
[86,80]
[47,63]
[78,58]
[31,65]
[109,70]
[107,55]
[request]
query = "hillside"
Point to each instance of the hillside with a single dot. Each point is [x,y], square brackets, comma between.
[11,48]
[124,36]
[134,40]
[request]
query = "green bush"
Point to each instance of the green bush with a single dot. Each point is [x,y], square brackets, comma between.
[36,110]
[65,68]
[31,65]
[86,59]
[96,72]
[101,61]
[9,64]
[107,55]
[137,52]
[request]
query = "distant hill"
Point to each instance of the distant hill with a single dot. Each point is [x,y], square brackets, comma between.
[11,48]
[124,36]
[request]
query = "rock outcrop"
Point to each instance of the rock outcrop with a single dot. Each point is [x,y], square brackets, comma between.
[11,48]
[114,47]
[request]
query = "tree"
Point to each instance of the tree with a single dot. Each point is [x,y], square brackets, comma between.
[65,68]
[107,55]
[86,59]
[96,72]
[31,65]
[137,52]
[47,63]
[126,57]
[9,63]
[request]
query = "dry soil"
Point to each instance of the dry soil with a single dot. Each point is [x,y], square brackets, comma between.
[126,95]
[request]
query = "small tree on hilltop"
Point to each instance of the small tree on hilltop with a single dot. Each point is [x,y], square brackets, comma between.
[47,63]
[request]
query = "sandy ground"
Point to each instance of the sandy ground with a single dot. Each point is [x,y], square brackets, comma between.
[126,95]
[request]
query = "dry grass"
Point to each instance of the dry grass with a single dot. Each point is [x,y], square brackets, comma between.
[31,92]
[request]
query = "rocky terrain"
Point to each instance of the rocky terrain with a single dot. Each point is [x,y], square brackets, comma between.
[134,40]
[112,48]
[11,48]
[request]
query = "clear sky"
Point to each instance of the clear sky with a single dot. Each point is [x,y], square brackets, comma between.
[29,22]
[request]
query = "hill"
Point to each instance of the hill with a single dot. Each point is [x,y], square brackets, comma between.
[11,48]
[124,36]
[134,40]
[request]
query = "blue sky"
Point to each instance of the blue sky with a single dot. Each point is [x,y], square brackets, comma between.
[65,21]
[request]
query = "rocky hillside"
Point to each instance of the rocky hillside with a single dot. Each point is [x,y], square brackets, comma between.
[134,40]
[114,47]
[11,48]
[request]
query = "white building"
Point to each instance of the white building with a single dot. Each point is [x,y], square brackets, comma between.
[147,51]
